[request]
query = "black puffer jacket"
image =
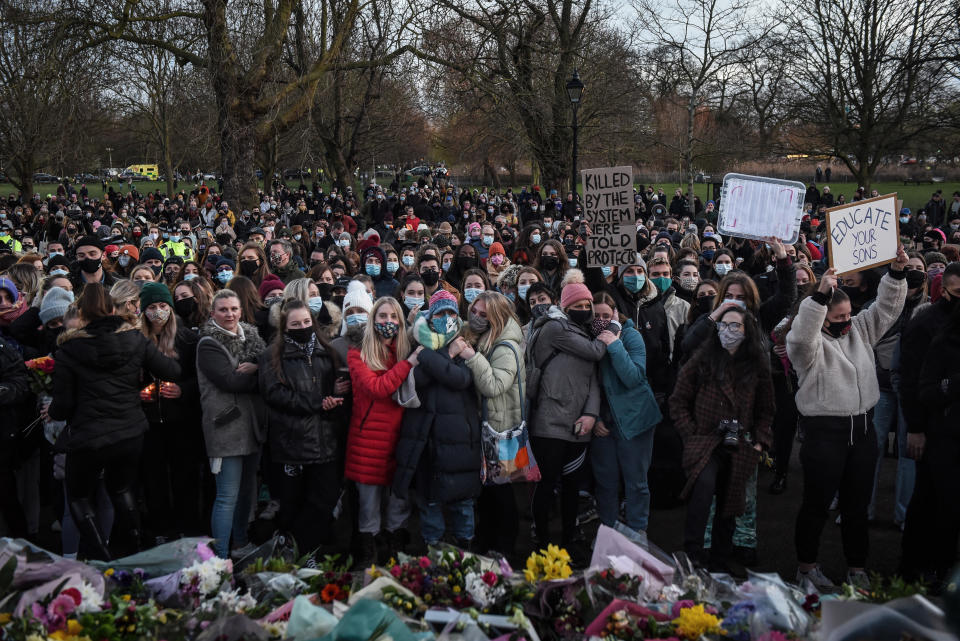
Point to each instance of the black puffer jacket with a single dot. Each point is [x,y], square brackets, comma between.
[15,393]
[300,431]
[439,449]
[97,381]
[181,414]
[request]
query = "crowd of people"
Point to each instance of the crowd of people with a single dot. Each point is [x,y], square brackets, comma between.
[343,359]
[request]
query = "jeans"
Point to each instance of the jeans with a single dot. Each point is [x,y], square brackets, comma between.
[377,501]
[885,419]
[613,459]
[906,472]
[838,455]
[236,488]
[711,483]
[433,524]
[745,530]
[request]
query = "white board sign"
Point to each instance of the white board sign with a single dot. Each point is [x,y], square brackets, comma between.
[755,207]
[863,234]
[608,210]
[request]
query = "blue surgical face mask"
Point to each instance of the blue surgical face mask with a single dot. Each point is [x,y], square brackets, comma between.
[392,266]
[904,219]
[407,261]
[708,254]
[739,303]
[535,239]
[174,239]
[52,254]
[373,270]
[634,283]
[315,303]
[487,240]
[59,272]
[607,271]
[522,291]
[722,269]
[446,265]
[412,303]
[189,276]
[572,262]
[225,276]
[471,293]
[354,320]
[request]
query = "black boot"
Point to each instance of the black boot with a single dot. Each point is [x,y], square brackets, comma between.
[128,522]
[91,540]
[397,542]
[366,551]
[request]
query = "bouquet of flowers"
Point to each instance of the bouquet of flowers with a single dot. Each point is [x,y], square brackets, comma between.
[204,579]
[41,375]
[552,563]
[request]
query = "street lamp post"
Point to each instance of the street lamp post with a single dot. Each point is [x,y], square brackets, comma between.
[574,93]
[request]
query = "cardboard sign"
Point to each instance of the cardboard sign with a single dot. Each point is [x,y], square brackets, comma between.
[757,208]
[608,210]
[863,234]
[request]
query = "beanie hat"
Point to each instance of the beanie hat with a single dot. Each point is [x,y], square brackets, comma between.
[132,251]
[441,300]
[7,284]
[371,233]
[664,234]
[473,226]
[57,260]
[223,260]
[935,257]
[641,262]
[445,228]
[356,296]
[572,293]
[89,241]
[173,260]
[936,232]
[496,248]
[111,248]
[270,282]
[150,253]
[155,293]
[54,304]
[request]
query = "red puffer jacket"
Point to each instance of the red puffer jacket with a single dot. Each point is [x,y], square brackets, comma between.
[376,419]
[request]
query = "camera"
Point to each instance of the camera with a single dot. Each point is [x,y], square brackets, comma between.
[730,433]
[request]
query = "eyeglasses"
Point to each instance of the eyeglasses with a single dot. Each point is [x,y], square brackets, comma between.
[735,326]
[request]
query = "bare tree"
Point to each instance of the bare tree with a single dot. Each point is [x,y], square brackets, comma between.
[873,75]
[702,41]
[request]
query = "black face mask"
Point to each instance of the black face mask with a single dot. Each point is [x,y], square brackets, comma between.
[248,268]
[466,262]
[705,304]
[582,317]
[915,278]
[185,307]
[838,329]
[156,269]
[430,278]
[549,263]
[325,290]
[539,310]
[89,265]
[301,334]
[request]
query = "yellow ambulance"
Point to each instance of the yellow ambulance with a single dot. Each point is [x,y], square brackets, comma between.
[150,171]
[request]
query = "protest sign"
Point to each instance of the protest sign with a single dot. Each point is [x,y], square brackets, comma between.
[863,234]
[757,208]
[608,210]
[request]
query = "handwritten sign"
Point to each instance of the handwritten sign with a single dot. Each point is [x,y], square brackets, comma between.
[755,207]
[863,234]
[608,209]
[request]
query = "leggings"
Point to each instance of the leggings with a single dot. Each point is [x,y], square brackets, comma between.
[560,462]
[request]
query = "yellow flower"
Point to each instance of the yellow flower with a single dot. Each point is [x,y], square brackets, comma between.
[73,629]
[125,597]
[162,617]
[4,618]
[456,589]
[694,623]
[109,572]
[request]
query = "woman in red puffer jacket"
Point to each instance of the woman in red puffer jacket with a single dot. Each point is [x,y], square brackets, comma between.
[376,373]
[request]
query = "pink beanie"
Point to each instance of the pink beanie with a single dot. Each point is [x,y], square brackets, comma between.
[573,292]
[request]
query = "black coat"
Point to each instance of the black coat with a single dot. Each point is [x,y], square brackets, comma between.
[439,449]
[97,382]
[300,431]
[940,386]
[915,339]
[15,393]
[181,414]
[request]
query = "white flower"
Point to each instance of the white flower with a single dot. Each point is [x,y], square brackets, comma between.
[91,601]
[275,629]
[208,576]
[230,601]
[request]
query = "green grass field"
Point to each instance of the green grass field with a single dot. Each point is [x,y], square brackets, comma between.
[913,196]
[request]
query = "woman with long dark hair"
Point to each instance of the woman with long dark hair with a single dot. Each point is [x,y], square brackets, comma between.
[96,387]
[722,407]
[297,376]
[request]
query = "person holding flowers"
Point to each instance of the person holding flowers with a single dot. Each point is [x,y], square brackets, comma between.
[96,389]
[438,456]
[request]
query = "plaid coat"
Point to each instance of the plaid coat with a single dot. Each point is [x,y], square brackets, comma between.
[697,406]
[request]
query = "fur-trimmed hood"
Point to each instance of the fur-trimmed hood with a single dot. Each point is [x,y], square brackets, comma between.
[330,330]
[97,343]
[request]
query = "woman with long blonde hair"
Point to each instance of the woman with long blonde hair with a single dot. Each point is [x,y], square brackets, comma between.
[378,366]
[491,348]
[173,448]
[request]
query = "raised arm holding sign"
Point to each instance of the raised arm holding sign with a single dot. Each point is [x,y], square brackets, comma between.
[863,234]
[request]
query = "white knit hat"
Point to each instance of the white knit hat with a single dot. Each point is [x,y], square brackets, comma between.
[356,296]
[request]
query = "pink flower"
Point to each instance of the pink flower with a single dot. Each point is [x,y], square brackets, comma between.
[395,571]
[74,594]
[62,606]
[680,605]
[424,562]
[38,613]
[489,578]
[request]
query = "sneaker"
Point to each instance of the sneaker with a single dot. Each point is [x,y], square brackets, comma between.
[589,514]
[817,578]
[858,579]
[238,554]
[270,511]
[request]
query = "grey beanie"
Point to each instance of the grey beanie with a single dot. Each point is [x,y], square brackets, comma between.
[54,304]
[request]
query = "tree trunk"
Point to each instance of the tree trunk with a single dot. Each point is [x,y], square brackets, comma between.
[237,156]
[167,158]
[24,166]
[688,151]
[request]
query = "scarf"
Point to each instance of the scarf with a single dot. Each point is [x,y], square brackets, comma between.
[307,348]
[245,345]
[424,334]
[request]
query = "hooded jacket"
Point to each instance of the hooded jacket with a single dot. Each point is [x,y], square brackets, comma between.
[569,386]
[623,374]
[495,378]
[97,382]
[384,284]
[838,376]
